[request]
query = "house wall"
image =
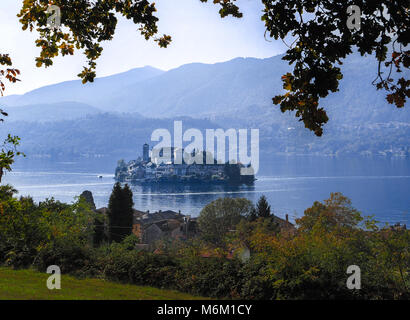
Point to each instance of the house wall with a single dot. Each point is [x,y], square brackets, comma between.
[151,234]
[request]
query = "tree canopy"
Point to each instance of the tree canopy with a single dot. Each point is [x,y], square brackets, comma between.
[263,207]
[221,216]
[337,211]
[85,24]
[8,149]
[120,212]
[321,39]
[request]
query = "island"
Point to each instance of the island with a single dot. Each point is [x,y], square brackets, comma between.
[151,171]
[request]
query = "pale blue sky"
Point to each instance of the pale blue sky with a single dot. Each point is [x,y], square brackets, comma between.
[199,35]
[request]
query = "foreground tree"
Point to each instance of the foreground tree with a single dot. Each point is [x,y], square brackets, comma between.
[263,208]
[87,196]
[253,215]
[120,212]
[220,217]
[321,38]
[312,262]
[84,25]
[8,149]
[337,211]
[51,232]
[7,191]
[8,152]
[9,74]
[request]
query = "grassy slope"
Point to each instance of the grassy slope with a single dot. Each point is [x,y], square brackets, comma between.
[31,285]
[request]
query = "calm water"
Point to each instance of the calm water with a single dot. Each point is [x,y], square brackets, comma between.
[377,186]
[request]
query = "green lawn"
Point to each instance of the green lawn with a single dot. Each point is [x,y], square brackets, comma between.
[31,285]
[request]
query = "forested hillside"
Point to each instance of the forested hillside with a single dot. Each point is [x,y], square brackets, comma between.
[68,119]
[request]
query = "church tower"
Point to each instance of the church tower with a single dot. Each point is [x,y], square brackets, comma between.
[145,152]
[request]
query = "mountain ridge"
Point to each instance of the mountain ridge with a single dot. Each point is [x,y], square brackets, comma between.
[223,89]
[75,91]
[67,110]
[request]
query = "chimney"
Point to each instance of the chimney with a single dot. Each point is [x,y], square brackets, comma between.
[287,217]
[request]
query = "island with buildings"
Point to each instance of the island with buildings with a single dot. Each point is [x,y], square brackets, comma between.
[150,169]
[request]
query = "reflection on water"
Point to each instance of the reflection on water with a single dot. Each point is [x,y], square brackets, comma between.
[377,187]
[189,189]
[190,199]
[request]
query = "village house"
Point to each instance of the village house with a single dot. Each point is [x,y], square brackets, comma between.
[151,227]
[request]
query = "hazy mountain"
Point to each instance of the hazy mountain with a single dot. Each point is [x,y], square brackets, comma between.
[234,94]
[50,112]
[200,89]
[232,87]
[191,89]
[9,100]
[93,94]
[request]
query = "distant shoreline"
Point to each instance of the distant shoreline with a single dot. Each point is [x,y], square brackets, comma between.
[184,182]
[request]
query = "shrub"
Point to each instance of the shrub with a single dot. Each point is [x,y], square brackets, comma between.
[213,277]
[72,257]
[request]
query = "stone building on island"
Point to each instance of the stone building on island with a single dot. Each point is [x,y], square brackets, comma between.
[155,170]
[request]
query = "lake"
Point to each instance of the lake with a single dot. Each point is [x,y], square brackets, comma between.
[376,186]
